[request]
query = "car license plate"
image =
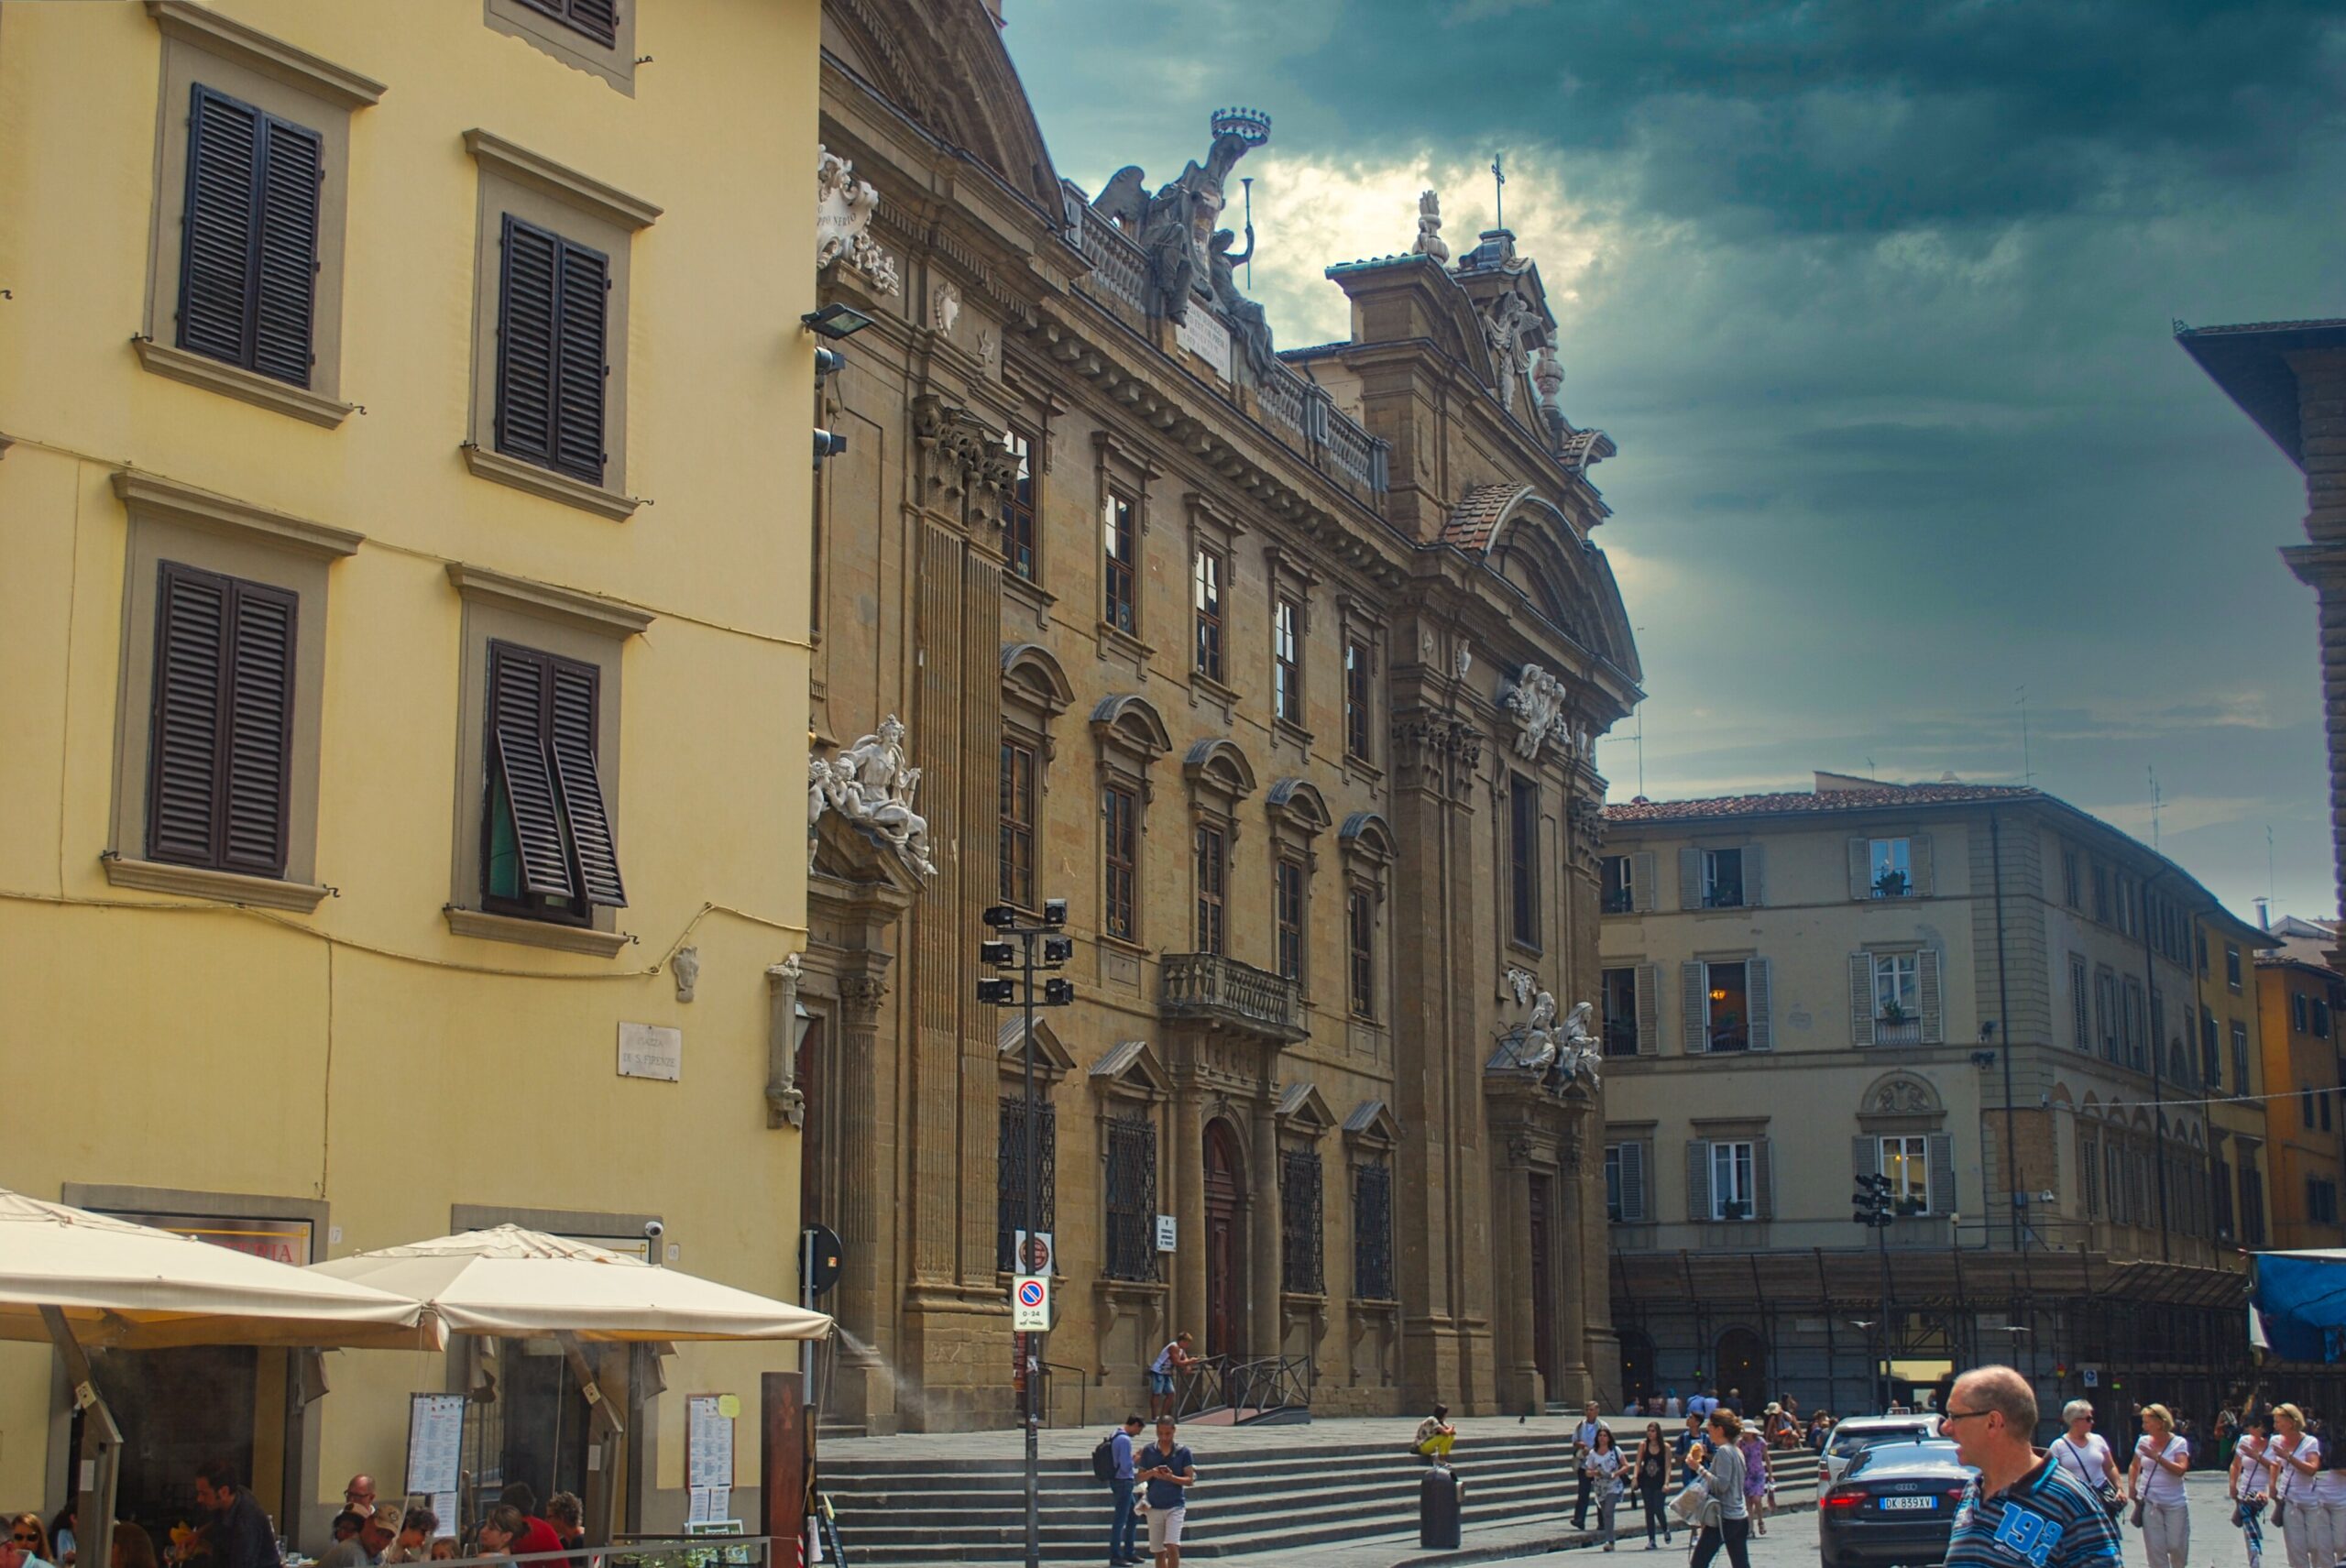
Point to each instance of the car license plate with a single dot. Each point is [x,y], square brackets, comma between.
[1919,1505]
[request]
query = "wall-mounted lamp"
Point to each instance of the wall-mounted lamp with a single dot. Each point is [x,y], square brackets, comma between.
[1983,1060]
[835,320]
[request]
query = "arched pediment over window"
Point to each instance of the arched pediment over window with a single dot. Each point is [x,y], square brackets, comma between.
[1218,767]
[1548,563]
[1367,835]
[1032,675]
[1128,721]
[1295,802]
[1901,1094]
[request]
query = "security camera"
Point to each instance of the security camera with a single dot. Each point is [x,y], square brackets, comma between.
[653,1230]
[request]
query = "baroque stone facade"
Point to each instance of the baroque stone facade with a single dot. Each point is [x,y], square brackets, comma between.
[1225,648]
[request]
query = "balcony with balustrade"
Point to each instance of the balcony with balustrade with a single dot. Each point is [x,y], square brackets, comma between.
[1207,988]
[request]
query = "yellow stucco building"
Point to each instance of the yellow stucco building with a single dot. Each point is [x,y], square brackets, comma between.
[403,430]
[2295,996]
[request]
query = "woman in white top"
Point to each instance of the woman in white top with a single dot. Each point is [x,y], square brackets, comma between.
[1604,1466]
[2156,1478]
[2250,1483]
[2295,1456]
[2085,1453]
[2328,1513]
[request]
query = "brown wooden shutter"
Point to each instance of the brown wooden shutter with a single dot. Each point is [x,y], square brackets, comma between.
[1861,999]
[1927,981]
[1632,1161]
[1918,860]
[1649,983]
[192,614]
[517,683]
[1865,1157]
[1754,875]
[525,342]
[1698,1180]
[1942,1157]
[572,744]
[257,764]
[223,151]
[285,277]
[1763,1178]
[1690,879]
[597,19]
[1694,982]
[1761,1031]
[584,305]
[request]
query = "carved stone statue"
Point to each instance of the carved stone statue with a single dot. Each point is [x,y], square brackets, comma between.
[872,785]
[1503,327]
[844,206]
[686,967]
[1537,701]
[785,1102]
[1579,1054]
[1175,227]
[1429,241]
[1246,317]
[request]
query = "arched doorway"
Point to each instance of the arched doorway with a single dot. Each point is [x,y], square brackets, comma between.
[1225,1192]
[1742,1362]
[1636,1368]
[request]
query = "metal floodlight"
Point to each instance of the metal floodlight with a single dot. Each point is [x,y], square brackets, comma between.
[829,444]
[1055,912]
[1057,993]
[1058,949]
[1001,955]
[1000,915]
[828,362]
[834,322]
[1002,992]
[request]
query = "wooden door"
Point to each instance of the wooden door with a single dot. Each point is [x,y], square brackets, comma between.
[1223,1241]
[1543,1295]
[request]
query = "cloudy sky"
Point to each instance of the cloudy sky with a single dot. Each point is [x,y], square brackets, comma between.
[1876,301]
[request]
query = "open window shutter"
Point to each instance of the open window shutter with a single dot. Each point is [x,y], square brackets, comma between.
[1918,858]
[1763,1178]
[192,614]
[1632,1157]
[258,757]
[1942,1157]
[584,307]
[1927,969]
[287,251]
[517,696]
[525,342]
[1755,874]
[1698,1178]
[1865,1157]
[1860,869]
[582,791]
[1648,1010]
[1642,874]
[1861,999]
[1694,981]
[1690,879]
[223,151]
[1763,1034]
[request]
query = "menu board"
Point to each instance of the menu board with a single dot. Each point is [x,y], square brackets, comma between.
[708,1454]
[435,1446]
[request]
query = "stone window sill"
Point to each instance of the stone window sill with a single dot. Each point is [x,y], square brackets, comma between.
[1030,593]
[1289,731]
[545,482]
[236,381]
[1210,689]
[1360,768]
[227,887]
[536,933]
[1115,639]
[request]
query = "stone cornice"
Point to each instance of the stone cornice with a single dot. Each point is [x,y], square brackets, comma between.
[208,30]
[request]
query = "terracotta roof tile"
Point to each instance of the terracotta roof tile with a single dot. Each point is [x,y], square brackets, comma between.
[1805,802]
[1476,515]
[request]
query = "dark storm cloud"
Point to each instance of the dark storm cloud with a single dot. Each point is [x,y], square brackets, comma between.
[1875,299]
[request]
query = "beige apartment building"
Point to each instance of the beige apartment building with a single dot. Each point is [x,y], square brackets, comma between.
[1979,993]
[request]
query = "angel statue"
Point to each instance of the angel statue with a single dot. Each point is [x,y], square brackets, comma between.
[1536,1052]
[1580,1053]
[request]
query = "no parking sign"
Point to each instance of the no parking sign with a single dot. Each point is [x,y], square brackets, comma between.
[1030,1304]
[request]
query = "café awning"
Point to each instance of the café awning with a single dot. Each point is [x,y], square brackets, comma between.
[128,1286]
[524,1284]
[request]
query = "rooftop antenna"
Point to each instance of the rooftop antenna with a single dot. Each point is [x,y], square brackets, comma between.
[1870,772]
[1498,173]
[1246,183]
[2027,774]
[1641,768]
[2268,864]
[2155,802]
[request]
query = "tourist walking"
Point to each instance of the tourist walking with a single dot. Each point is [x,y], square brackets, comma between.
[1584,1439]
[2085,1453]
[1719,1462]
[1172,1361]
[2295,1454]
[1756,1473]
[2249,1484]
[2327,1501]
[1600,1470]
[1123,1550]
[1170,1470]
[2155,1479]
[1652,1466]
[2020,1495]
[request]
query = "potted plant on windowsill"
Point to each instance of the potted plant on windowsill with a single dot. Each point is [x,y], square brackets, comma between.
[1735,1209]
[1890,884]
[1893,1013]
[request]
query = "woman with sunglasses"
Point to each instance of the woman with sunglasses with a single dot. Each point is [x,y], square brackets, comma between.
[2294,1457]
[2156,1478]
[28,1541]
[1652,1465]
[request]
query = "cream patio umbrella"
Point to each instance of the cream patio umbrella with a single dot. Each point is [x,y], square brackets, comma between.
[82,1280]
[514,1283]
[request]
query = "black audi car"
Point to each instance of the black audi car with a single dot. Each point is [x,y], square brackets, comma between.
[1894,1505]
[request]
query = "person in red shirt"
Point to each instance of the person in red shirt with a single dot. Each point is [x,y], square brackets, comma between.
[537,1535]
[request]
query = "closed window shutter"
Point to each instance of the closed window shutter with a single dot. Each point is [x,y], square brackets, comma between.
[1861,999]
[1644,892]
[598,19]
[1690,879]
[573,730]
[1942,1157]
[1632,1157]
[286,276]
[1755,980]
[1648,1010]
[183,744]
[518,680]
[1694,982]
[1698,1178]
[1860,869]
[257,761]
[1918,859]
[1865,1158]
[1926,966]
[1763,1178]
[578,386]
[1754,875]
[216,265]
[525,342]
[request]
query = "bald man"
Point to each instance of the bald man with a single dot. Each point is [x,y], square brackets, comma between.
[2025,1510]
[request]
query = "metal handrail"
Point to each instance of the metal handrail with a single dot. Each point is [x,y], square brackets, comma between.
[1083,1391]
[1261,1383]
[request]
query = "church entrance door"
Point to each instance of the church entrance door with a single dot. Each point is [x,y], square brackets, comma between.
[1225,1192]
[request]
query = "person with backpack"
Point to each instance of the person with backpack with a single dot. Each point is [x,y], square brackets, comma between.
[1112,1461]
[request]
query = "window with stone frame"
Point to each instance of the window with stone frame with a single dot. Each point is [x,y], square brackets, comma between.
[1120,817]
[2239,1057]
[1626,1181]
[1286,661]
[1286,900]
[1301,1255]
[2080,1003]
[1523,860]
[1367,845]
[2211,1052]
[1617,891]
[1120,552]
[1130,736]
[1617,986]
[1299,815]
[1212,846]
[1219,778]
[1359,699]
[1209,574]
[1360,936]
[1035,692]
[1130,1198]
[1018,542]
[1373,1230]
[1010,1184]
[1018,827]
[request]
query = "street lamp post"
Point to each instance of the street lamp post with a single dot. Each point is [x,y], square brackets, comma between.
[1029,950]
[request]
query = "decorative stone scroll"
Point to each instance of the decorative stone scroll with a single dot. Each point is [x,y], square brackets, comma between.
[1537,700]
[870,785]
[844,207]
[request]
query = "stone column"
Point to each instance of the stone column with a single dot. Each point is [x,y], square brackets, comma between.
[864,1166]
[1183,1172]
[1571,1257]
[1264,1326]
[1511,1259]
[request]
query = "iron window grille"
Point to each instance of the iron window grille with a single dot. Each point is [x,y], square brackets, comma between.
[1009,1185]
[1302,1258]
[1373,1231]
[1131,1252]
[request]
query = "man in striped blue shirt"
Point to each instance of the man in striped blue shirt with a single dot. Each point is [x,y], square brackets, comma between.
[2023,1511]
